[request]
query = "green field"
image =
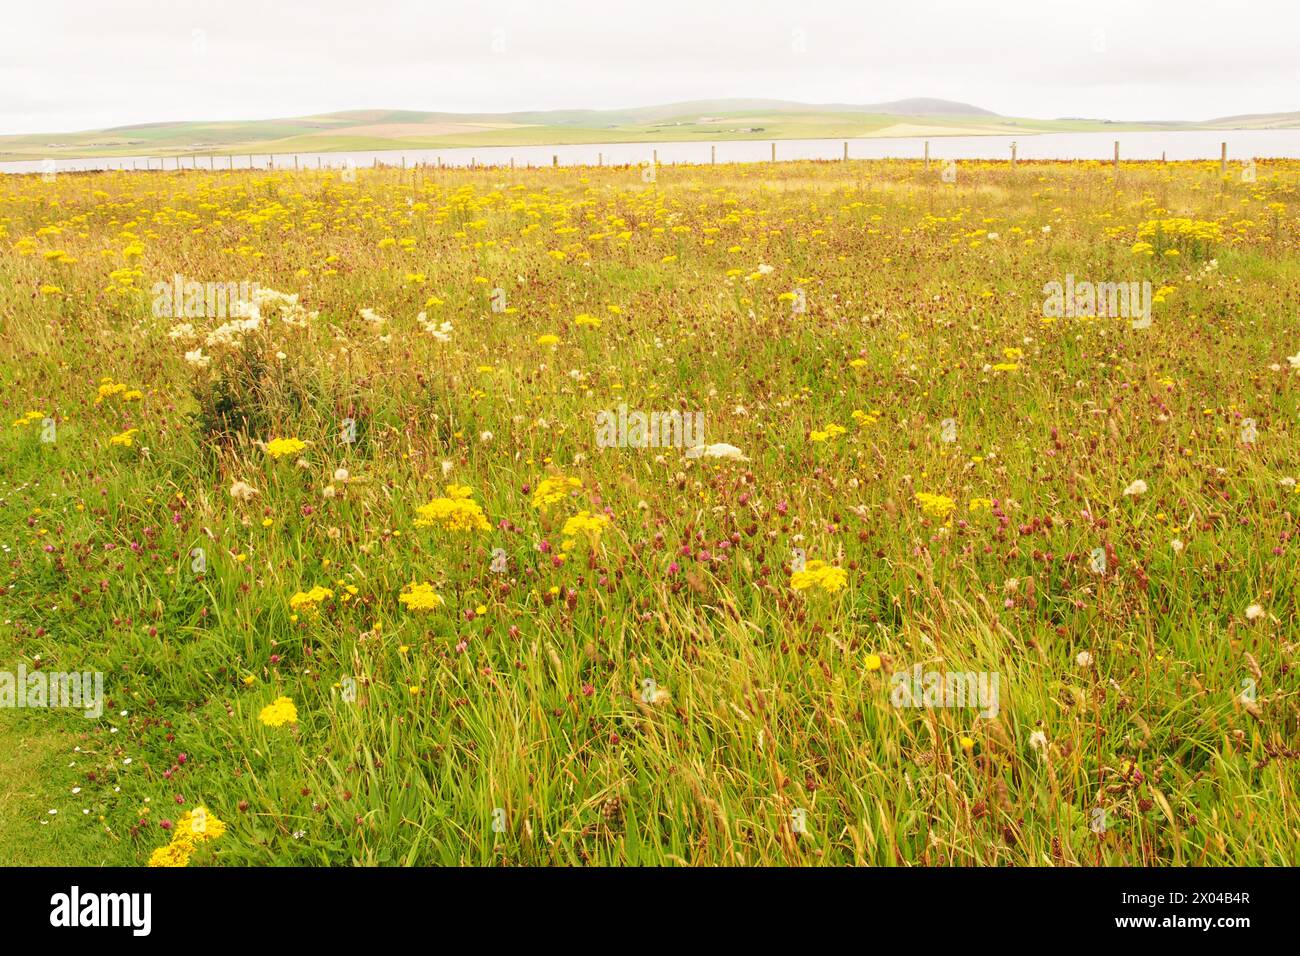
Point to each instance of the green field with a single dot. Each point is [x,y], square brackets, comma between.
[704,121]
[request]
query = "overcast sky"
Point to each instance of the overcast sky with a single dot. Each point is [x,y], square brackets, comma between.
[79,64]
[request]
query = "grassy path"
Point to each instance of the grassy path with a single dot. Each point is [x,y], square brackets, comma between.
[35,759]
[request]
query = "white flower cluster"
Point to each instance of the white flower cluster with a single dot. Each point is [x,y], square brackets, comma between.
[440,332]
[291,312]
[246,317]
[228,334]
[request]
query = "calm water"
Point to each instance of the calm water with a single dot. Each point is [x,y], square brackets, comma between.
[1200,144]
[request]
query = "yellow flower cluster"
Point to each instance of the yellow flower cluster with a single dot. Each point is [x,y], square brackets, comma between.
[280,447]
[309,602]
[420,597]
[192,829]
[585,525]
[457,512]
[819,574]
[553,490]
[279,712]
[28,419]
[939,507]
[830,431]
[111,389]
[1181,228]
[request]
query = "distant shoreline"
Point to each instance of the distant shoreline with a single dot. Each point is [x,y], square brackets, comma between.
[402,146]
[268,138]
[1033,146]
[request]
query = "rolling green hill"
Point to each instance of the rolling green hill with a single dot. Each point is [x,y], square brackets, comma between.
[732,119]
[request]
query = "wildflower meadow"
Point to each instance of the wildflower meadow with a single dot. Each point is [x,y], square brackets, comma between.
[792,513]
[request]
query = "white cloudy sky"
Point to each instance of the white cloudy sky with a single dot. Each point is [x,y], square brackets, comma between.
[78,64]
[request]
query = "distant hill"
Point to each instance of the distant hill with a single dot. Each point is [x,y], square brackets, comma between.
[1257,121]
[698,120]
[921,106]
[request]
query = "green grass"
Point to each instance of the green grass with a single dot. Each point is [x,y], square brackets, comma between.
[39,767]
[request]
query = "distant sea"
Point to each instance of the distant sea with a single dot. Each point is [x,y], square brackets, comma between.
[1174,145]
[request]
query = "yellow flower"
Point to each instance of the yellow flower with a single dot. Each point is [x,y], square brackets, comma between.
[28,419]
[125,439]
[172,854]
[550,491]
[819,574]
[109,389]
[280,447]
[194,827]
[420,597]
[831,431]
[588,320]
[198,825]
[873,662]
[457,512]
[939,507]
[278,713]
[587,525]
[548,340]
[308,602]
